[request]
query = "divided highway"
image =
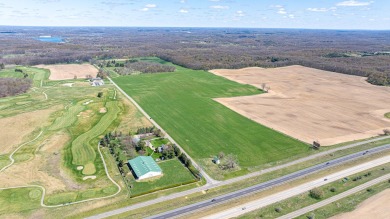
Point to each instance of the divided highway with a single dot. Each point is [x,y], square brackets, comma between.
[268,184]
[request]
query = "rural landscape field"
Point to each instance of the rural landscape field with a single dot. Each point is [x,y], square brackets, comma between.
[295,104]
[194,109]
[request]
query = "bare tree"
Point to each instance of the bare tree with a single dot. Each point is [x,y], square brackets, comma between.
[229,162]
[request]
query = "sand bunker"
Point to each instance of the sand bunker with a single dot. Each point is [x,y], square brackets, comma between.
[68,85]
[89,177]
[80,167]
[70,71]
[310,104]
[103,110]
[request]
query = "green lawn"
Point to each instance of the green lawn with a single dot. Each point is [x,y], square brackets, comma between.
[174,174]
[159,142]
[182,103]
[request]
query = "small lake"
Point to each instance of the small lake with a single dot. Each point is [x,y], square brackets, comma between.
[50,39]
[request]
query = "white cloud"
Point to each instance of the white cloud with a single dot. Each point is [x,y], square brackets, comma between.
[353,3]
[240,14]
[215,0]
[291,16]
[150,6]
[219,7]
[276,6]
[317,9]
[282,11]
[183,11]
[183,1]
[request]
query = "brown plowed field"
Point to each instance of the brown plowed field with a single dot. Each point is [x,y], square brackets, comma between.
[310,104]
[63,72]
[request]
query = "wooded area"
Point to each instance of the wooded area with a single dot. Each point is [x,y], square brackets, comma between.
[363,53]
[14,86]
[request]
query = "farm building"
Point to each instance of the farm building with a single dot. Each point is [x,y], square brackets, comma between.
[96,82]
[144,167]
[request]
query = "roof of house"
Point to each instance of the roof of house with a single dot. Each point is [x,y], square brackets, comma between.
[143,165]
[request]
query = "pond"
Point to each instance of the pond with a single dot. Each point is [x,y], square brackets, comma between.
[50,39]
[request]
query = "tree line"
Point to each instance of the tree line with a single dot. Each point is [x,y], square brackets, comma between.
[211,48]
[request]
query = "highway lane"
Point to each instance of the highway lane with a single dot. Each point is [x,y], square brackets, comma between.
[268,184]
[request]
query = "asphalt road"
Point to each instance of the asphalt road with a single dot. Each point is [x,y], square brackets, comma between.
[268,184]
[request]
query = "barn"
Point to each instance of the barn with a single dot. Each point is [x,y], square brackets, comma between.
[144,167]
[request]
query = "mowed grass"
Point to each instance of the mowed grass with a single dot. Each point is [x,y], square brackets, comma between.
[68,118]
[35,74]
[20,201]
[182,103]
[174,174]
[82,152]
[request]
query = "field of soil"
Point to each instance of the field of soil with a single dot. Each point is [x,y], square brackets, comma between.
[310,104]
[70,71]
[374,207]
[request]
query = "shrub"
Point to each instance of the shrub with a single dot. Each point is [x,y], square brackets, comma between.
[386,131]
[100,94]
[277,209]
[369,190]
[316,193]
[333,189]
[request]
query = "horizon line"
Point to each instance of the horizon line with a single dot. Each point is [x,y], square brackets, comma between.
[197,27]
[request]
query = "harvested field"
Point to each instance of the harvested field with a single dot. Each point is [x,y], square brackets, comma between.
[374,207]
[69,71]
[310,104]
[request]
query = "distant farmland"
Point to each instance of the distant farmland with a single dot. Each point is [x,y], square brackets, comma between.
[182,103]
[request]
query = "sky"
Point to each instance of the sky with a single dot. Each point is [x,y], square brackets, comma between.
[310,14]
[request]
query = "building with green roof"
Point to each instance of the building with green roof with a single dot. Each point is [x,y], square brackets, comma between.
[144,167]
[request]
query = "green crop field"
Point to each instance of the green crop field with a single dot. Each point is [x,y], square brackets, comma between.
[174,174]
[182,103]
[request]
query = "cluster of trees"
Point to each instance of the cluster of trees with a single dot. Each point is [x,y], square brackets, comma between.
[111,63]
[123,147]
[187,162]
[144,67]
[25,75]
[14,86]
[228,162]
[151,130]
[2,66]
[209,48]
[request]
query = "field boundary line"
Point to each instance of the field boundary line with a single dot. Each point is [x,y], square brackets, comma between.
[330,200]
[12,154]
[76,202]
